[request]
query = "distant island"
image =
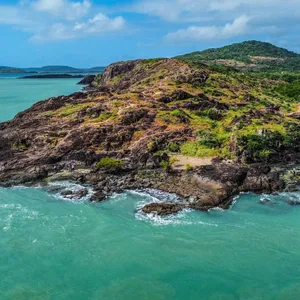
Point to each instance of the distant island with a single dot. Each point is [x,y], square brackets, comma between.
[51,76]
[50,69]
[9,70]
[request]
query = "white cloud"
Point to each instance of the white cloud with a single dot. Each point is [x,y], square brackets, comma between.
[238,27]
[220,10]
[63,8]
[58,19]
[11,15]
[96,25]
[160,8]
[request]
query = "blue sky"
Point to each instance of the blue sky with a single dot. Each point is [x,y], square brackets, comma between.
[85,33]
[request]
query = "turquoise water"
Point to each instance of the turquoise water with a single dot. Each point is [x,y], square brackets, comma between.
[57,249]
[19,94]
[51,248]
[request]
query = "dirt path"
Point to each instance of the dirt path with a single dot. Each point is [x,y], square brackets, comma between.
[192,161]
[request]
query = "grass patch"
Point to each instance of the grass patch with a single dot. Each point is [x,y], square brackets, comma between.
[109,163]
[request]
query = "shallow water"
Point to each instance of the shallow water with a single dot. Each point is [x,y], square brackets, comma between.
[19,94]
[51,248]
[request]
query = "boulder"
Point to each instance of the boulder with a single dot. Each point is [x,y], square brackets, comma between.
[162,209]
[87,80]
[98,196]
[74,195]
[293,202]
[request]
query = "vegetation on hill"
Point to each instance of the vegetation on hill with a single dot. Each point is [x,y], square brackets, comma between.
[252,55]
[228,113]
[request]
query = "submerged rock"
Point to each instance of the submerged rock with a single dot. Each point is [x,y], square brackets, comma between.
[98,196]
[293,202]
[162,209]
[265,201]
[74,195]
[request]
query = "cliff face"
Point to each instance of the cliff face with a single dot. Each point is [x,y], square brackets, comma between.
[136,115]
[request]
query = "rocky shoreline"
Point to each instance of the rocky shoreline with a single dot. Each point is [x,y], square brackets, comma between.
[201,189]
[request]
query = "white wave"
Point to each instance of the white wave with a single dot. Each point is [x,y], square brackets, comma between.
[177,219]
[155,196]
[16,211]
[217,209]
[71,186]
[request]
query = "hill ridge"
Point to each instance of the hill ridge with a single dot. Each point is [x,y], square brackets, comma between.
[253,55]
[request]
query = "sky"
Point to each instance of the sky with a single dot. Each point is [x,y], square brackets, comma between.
[87,33]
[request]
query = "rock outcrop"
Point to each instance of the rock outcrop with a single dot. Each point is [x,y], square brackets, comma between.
[87,80]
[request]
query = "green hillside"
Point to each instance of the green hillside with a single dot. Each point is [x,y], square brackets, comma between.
[251,55]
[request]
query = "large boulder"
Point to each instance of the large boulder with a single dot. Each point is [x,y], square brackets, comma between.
[87,80]
[162,209]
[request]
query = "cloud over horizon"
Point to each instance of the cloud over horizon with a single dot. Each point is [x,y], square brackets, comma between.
[199,33]
[53,20]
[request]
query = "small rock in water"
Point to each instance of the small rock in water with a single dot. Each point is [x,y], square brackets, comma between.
[293,202]
[98,196]
[53,189]
[265,201]
[162,209]
[74,195]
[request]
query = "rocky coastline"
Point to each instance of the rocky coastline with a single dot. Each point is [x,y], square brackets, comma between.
[109,137]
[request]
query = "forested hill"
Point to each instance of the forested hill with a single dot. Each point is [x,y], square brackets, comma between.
[250,55]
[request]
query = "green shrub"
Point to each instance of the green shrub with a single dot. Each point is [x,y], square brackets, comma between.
[177,113]
[150,61]
[20,146]
[188,168]
[260,147]
[152,146]
[173,147]
[166,165]
[196,149]
[208,139]
[109,163]
[264,155]
[212,113]
[291,90]
[217,93]
[215,114]
[159,153]
[291,177]
[54,142]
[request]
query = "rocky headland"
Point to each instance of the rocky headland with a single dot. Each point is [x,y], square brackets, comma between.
[137,119]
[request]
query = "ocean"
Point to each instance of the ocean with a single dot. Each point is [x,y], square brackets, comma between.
[54,248]
[17,95]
